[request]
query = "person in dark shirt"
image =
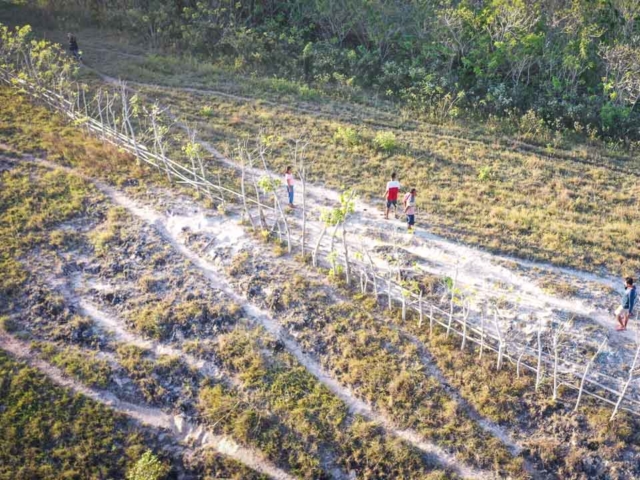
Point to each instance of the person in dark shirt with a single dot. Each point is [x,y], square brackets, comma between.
[73,46]
[624,311]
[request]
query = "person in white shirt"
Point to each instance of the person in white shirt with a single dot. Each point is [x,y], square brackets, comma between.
[409,202]
[391,196]
[288,178]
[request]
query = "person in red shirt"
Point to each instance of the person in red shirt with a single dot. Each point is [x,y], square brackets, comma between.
[391,195]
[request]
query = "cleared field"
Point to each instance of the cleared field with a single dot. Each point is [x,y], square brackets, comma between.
[179,343]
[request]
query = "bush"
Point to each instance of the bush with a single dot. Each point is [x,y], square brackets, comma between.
[8,325]
[385,141]
[484,173]
[346,136]
[206,111]
[148,467]
[613,117]
[532,127]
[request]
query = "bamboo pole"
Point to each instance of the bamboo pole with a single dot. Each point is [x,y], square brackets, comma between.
[626,385]
[420,310]
[586,371]
[453,288]
[539,369]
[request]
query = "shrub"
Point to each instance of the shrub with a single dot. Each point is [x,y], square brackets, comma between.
[62,239]
[484,173]
[613,116]
[154,320]
[385,141]
[8,325]
[532,127]
[346,136]
[148,467]
[206,111]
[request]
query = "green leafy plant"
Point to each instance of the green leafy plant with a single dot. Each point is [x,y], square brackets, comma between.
[207,111]
[385,141]
[485,173]
[148,467]
[269,184]
[346,136]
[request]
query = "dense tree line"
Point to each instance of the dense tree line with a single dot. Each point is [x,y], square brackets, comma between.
[575,63]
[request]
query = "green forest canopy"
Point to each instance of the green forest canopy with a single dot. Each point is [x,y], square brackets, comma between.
[576,64]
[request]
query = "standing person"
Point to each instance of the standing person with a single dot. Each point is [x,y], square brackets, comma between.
[624,311]
[409,203]
[391,195]
[288,178]
[73,46]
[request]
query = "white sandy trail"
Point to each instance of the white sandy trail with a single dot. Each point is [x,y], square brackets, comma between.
[183,430]
[114,325]
[117,328]
[216,276]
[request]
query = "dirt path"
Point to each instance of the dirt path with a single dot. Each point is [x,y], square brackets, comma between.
[120,332]
[216,278]
[477,270]
[185,432]
[230,238]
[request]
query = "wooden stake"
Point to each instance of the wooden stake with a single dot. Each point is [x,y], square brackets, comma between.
[539,368]
[347,265]
[464,326]
[586,371]
[482,317]
[518,364]
[453,288]
[501,344]
[244,193]
[404,305]
[317,247]
[420,312]
[626,385]
[430,320]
